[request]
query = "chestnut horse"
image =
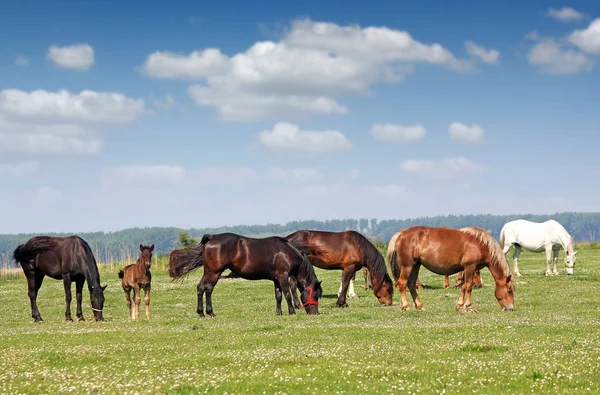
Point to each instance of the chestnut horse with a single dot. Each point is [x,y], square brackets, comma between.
[61,258]
[477,281]
[447,251]
[271,258]
[348,251]
[136,277]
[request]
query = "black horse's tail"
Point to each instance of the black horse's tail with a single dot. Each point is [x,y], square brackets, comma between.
[188,260]
[121,273]
[34,246]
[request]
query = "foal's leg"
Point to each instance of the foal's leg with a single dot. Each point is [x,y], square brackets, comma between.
[555,259]
[147,299]
[278,296]
[68,296]
[346,276]
[412,287]
[79,296]
[516,254]
[34,282]
[293,289]
[127,290]
[137,298]
[209,285]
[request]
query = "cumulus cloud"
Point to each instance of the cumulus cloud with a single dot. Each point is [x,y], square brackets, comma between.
[397,133]
[303,74]
[489,56]
[565,14]
[18,170]
[445,169]
[588,39]
[143,175]
[467,134]
[77,57]
[554,58]
[22,61]
[288,136]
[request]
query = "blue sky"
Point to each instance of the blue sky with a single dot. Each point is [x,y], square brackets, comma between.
[180,113]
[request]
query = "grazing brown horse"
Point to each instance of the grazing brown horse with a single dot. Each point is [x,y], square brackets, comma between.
[136,277]
[61,258]
[270,258]
[477,282]
[447,251]
[348,251]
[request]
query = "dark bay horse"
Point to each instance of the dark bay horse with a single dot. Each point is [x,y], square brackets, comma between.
[477,281]
[61,258]
[136,277]
[447,251]
[270,258]
[348,251]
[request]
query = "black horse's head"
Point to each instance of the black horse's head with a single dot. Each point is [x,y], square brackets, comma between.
[310,297]
[97,299]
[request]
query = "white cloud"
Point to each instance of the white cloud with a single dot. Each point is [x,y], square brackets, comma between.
[63,106]
[287,136]
[554,59]
[22,61]
[45,194]
[446,169]
[588,39]
[168,104]
[303,74]
[565,14]
[78,56]
[467,134]
[491,56]
[18,170]
[304,175]
[397,133]
[143,175]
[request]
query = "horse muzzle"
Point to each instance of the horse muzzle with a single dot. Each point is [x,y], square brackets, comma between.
[508,307]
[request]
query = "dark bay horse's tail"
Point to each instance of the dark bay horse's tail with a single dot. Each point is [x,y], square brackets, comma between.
[121,273]
[34,246]
[188,260]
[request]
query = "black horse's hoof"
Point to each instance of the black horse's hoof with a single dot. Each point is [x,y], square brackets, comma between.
[201,315]
[81,319]
[342,305]
[69,319]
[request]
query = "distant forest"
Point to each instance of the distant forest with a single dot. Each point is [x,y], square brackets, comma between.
[123,245]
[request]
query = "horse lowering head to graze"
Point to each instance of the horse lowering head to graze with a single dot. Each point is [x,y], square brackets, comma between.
[136,277]
[61,258]
[270,258]
[447,251]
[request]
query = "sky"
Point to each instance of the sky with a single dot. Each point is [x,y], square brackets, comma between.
[195,114]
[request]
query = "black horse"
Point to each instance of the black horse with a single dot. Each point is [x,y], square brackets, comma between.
[270,258]
[61,258]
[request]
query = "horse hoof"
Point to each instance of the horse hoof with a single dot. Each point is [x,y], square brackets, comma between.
[211,315]
[201,315]
[470,309]
[342,305]
[81,319]
[405,308]
[69,319]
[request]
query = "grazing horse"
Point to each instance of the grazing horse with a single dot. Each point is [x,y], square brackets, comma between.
[447,251]
[477,282]
[135,277]
[348,251]
[547,236]
[61,258]
[270,258]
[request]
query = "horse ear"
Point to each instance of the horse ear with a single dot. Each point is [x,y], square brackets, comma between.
[152,248]
[575,253]
[509,278]
[141,247]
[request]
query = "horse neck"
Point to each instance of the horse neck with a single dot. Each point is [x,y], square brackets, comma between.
[92,276]
[499,270]
[141,265]
[566,241]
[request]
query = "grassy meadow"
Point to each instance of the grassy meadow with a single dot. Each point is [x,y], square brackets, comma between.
[549,344]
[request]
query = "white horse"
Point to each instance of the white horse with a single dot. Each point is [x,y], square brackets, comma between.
[547,236]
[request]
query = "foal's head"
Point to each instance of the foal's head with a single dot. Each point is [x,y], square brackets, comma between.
[146,255]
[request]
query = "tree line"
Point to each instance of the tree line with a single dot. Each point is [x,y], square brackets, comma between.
[123,245]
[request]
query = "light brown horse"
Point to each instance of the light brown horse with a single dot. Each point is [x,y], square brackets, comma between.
[447,251]
[477,281]
[348,251]
[135,277]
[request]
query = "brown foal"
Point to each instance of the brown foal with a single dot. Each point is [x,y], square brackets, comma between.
[137,276]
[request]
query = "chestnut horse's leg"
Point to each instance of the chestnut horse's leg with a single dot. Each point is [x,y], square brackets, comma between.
[446,282]
[468,287]
[79,281]
[347,274]
[293,288]
[147,299]
[412,286]
[34,282]
[406,266]
[278,295]
[209,285]
[68,296]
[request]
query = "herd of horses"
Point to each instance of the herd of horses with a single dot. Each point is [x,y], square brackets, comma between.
[289,262]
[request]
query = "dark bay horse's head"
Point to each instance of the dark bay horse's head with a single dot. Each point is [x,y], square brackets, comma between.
[384,290]
[505,293]
[146,255]
[97,298]
[310,297]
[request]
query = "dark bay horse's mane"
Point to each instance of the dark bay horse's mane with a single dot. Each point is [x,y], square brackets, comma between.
[371,253]
[306,265]
[497,259]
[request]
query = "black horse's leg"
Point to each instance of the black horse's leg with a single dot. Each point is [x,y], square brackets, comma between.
[34,282]
[68,297]
[278,297]
[285,287]
[293,287]
[200,288]
[347,274]
[209,285]
[79,296]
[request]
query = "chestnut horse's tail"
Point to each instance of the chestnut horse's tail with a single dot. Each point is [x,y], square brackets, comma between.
[502,238]
[392,258]
[188,260]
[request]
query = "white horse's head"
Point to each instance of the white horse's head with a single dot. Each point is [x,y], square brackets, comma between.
[570,260]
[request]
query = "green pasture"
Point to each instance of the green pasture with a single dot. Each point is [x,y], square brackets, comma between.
[549,344]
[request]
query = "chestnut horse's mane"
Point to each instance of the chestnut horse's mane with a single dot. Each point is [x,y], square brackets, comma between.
[485,238]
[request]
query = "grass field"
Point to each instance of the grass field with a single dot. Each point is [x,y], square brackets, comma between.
[549,344]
